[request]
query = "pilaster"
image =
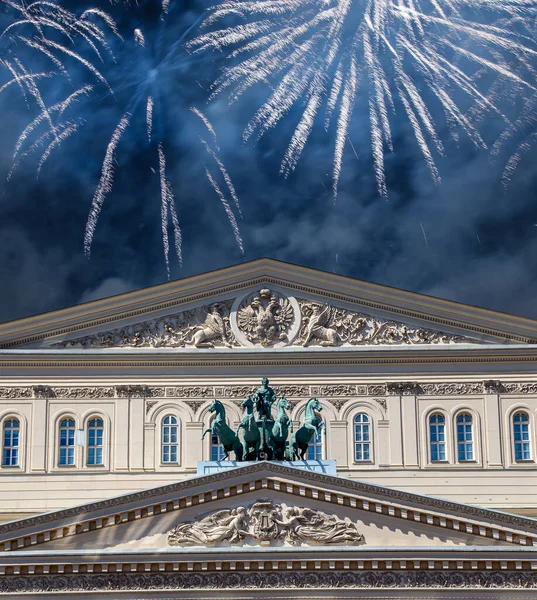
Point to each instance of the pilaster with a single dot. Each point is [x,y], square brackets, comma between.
[193,432]
[338,443]
[493,431]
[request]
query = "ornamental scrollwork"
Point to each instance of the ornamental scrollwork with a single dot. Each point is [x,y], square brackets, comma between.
[326,325]
[451,389]
[268,579]
[202,327]
[266,521]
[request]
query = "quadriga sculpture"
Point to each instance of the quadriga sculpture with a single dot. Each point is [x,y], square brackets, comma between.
[226,436]
[281,429]
[310,428]
[251,436]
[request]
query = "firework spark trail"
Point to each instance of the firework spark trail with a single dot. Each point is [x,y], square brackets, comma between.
[168,207]
[149,117]
[42,16]
[58,108]
[323,52]
[105,183]
[230,215]
[68,130]
[207,124]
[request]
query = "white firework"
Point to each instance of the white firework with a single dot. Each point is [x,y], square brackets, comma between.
[401,55]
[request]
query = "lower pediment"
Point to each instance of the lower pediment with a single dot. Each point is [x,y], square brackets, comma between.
[267,505]
[265,529]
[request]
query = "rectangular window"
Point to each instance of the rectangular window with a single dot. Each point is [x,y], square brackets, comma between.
[522,441]
[315,448]
[464,442]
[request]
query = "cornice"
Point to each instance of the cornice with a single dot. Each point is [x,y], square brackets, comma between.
[221,358]
[169,296]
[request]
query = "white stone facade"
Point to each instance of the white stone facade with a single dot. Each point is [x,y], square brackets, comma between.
[430,410]
[390,357]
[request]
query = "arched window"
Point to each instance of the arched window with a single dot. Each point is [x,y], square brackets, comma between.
[465,437]
[315,447]
[67,442]
[217,450]
[521,436]
[437,437]
[95,441]
[169,439]
[362,438]
[10,444]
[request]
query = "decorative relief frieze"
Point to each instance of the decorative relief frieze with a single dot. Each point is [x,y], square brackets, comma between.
[326,325]
[15,392]
[84,392]
[139,391]
[190,391]
[376,390]
[266,522]
[203,327]
[269,578]
[519,388]
[335,393]
[267,319]
[334,390]
[451,389]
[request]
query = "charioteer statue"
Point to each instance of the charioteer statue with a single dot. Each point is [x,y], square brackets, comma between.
[265,438]
[264,398]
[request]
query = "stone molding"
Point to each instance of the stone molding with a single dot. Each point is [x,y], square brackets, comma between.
[336,393]
[269,578]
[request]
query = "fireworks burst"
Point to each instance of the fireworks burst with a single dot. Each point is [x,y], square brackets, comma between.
[48,30]
[141,89]
[413,56]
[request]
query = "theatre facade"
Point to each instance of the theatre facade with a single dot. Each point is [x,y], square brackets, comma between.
[422,485]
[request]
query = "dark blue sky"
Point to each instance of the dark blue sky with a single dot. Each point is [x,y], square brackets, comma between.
[464,240]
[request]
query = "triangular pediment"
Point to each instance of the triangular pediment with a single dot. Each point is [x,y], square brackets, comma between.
[265,304]
[238,507]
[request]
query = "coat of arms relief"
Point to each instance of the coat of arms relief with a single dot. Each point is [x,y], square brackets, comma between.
[266,318]
[266,523]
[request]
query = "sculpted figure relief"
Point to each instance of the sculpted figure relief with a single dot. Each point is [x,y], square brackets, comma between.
[326,325]
[265,318]
[224,526]
[215,327]
[266,522]
[202,327]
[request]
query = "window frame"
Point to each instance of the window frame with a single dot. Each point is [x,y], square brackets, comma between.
[102,446]
[515,460]
[444,442]
[163,444]
[473,441]
[318,443]
[370,424]
[59,422]
[18,447]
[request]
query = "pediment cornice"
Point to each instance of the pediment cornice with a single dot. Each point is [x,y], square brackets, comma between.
[448,318]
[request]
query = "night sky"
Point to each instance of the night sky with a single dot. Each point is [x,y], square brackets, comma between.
[466,239]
